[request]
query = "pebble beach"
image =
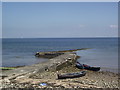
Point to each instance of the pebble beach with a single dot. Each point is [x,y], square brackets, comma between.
[33,79]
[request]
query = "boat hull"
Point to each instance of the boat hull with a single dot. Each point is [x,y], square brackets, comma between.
[72,75]
[84,66]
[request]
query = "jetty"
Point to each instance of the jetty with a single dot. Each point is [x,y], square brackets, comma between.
[59,60]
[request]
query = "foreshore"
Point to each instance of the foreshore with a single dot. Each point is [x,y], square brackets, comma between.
[46,72]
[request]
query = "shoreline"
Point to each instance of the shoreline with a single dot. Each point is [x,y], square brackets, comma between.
[105,69]
[32,76]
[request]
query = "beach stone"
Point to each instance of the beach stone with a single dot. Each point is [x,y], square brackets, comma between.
[7,80]
[20,77]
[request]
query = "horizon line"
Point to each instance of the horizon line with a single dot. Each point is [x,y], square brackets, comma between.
[60,1]
[57,37]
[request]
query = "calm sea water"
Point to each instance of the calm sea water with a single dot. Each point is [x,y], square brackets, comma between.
[103,52]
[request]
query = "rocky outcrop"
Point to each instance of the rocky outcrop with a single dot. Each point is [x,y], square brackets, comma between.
[53,54]
[48,54]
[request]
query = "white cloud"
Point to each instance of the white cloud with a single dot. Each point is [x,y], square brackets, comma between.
[113,26]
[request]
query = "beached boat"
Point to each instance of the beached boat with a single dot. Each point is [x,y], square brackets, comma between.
[84,66]
[72,75]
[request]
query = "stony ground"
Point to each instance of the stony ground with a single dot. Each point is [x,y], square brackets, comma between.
[90,80]
[32,76]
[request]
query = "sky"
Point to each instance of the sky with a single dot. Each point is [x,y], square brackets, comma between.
[59,19]
[0,20]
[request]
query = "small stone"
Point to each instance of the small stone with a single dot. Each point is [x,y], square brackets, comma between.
[21,70]
[7,80]
[12,84]
[20,77]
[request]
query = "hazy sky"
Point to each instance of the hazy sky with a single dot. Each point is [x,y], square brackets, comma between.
[60,19]
[0,20]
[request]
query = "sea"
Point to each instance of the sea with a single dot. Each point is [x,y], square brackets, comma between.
[101,52]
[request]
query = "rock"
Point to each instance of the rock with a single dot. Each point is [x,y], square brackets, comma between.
[69,59]
[7,80]
[48,54]
[20,77]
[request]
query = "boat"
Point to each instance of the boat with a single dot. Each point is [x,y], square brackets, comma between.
[72,75]
[87,67]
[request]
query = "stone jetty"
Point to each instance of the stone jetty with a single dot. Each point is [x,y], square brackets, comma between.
[53,64]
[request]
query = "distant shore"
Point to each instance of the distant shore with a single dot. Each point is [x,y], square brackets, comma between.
[32,76]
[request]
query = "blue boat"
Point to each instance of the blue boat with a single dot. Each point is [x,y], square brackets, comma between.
[72,75]
[87,67]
